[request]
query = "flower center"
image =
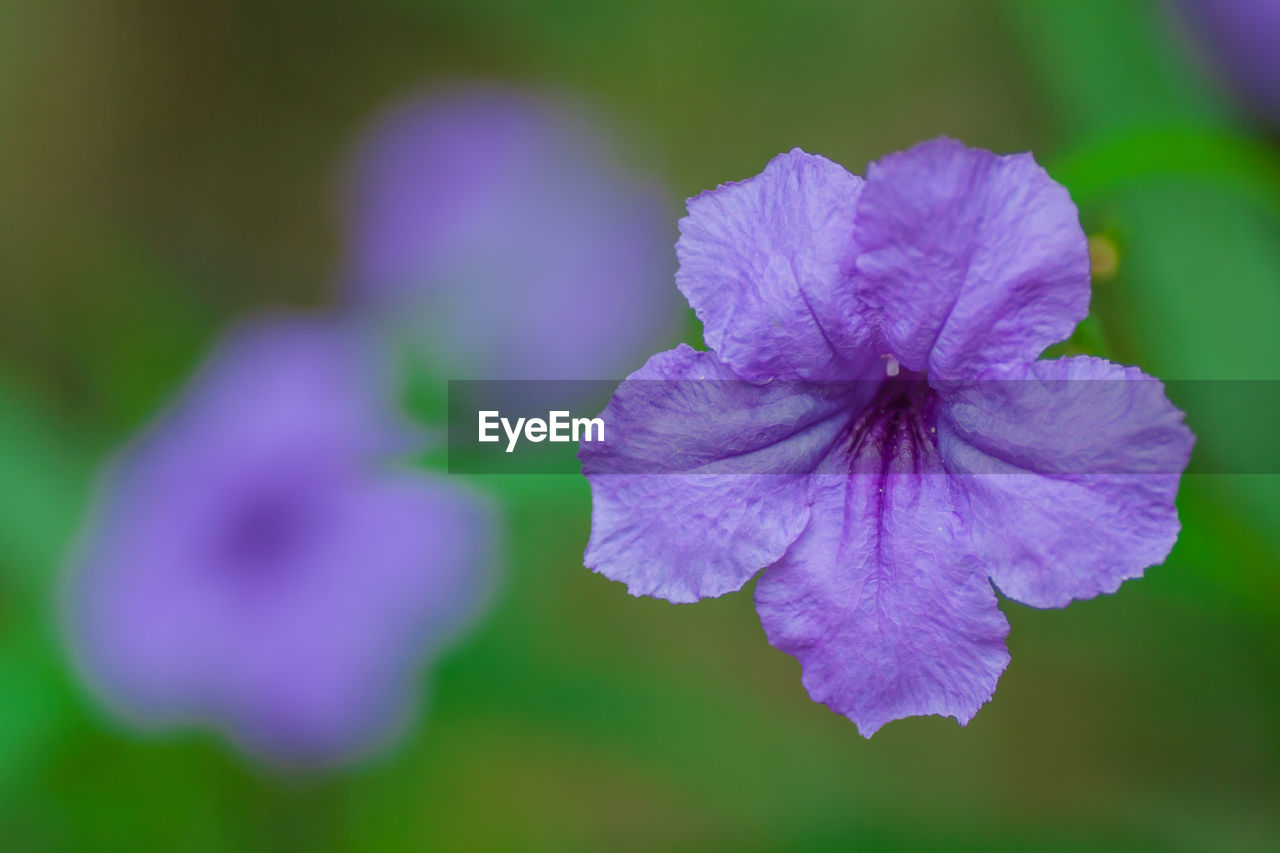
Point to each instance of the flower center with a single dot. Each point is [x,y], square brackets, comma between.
[264,532]
[898,428]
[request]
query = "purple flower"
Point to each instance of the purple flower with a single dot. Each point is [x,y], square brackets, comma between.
[871,426]
[255,564]
[1242,39]
[498,232]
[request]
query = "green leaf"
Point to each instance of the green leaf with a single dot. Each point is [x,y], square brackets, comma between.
[1225,161]
[1108,66]
[43,474]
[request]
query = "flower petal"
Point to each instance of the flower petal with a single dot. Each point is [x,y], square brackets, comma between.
[765,263]
[252,563]
[1069,470]
[499,236]
[701,481]
[334,672]
[888,612]
[974,258]
[1240,38]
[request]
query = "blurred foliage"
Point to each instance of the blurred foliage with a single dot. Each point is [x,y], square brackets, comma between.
[169,167]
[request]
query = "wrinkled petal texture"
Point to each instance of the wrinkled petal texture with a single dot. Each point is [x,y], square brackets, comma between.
[681,510]
[881,600]
[974,259]
[1068,471]
[765,264]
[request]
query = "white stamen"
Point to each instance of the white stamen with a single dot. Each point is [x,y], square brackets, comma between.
[892,367]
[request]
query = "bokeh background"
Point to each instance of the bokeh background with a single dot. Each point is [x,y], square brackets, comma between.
[167,169]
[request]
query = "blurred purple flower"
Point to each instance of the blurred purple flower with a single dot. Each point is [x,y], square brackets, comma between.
[255,565]
[1242,39]
[872,426]
[499,233]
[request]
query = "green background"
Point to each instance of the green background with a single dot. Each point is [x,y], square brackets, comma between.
[169,167]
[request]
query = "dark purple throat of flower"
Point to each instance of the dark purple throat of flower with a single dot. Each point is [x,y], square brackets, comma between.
[897,429]
[262,536]
[874,426]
